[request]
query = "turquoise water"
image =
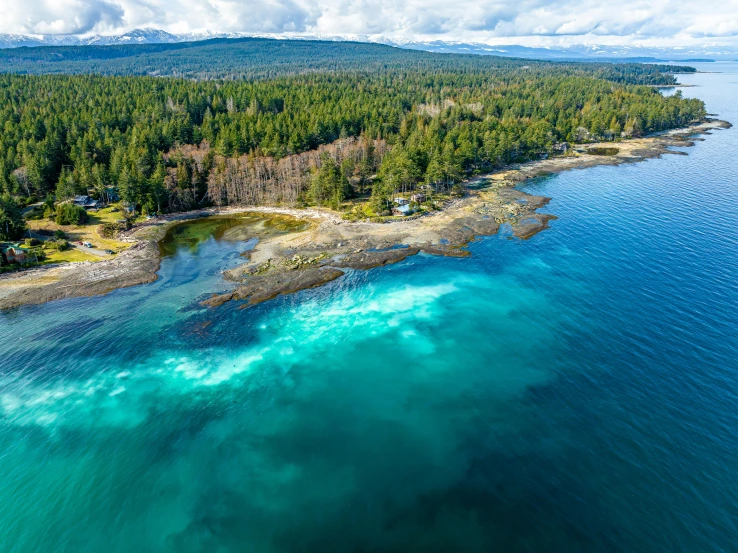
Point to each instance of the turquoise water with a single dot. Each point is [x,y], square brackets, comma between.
[573,392]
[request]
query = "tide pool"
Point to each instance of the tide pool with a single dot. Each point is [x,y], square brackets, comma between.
[573,392]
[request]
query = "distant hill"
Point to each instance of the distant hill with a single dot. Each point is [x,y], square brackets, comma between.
[575,52]
[572,53]
[261,58]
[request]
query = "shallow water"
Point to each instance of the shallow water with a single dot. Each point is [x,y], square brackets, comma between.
[239,227]
[573,392]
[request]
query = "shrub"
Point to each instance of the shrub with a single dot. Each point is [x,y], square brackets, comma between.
[24,201]
[109,230]
[32,242]
[70,214]
[59,234]
[35,214]
[48,207]
[59,245]
[62,245]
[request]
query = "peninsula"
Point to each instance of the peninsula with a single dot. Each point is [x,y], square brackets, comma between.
[329,245]
[386,152]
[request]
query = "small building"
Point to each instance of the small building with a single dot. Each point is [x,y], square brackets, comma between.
[14,254]
[400,201]
[402,210]
[112,195]
[86,201]
[418,198]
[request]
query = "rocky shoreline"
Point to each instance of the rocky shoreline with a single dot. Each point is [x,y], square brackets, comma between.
[287,263]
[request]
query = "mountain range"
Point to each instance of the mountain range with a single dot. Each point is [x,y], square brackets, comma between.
[576,52]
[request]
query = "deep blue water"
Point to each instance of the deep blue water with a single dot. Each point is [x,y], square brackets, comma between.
[572,392]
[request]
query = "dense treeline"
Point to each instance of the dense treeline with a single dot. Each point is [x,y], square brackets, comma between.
[66,135]
[256,58]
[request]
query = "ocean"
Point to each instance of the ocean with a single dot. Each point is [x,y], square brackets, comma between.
[577,391]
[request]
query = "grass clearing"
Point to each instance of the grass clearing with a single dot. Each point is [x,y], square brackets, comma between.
[87,232]
[69,256]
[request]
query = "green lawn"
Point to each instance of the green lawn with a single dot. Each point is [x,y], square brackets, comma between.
[69,256]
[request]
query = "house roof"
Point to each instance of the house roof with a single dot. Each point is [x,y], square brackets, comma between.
[404,209]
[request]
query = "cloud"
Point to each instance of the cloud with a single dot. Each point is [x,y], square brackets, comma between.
[60,16]
[503,21]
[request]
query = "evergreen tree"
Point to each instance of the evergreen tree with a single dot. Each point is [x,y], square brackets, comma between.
[12,224]
[67,187]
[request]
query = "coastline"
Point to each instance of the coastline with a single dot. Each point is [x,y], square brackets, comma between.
[288,263]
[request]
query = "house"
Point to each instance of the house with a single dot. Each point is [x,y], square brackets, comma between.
[86,202]
[418,198]
[112,195]
[402,210]
[400,201]
[14,254]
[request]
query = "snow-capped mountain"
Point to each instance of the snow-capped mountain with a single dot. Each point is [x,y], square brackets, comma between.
[137,36]
[576,52]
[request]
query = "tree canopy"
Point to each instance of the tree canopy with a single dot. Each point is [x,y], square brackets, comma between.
[165,143]
[12,224]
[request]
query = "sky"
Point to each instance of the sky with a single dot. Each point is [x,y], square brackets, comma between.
[527,22]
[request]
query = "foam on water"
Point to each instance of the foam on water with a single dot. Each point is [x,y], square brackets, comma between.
[405,316]
[249,406]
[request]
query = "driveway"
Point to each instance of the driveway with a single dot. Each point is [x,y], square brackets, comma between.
[93,251]
[30,208]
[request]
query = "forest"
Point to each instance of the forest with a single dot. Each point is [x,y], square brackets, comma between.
[261,58]
[311,138]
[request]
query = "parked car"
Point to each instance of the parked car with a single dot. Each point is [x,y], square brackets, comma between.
[87,244]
